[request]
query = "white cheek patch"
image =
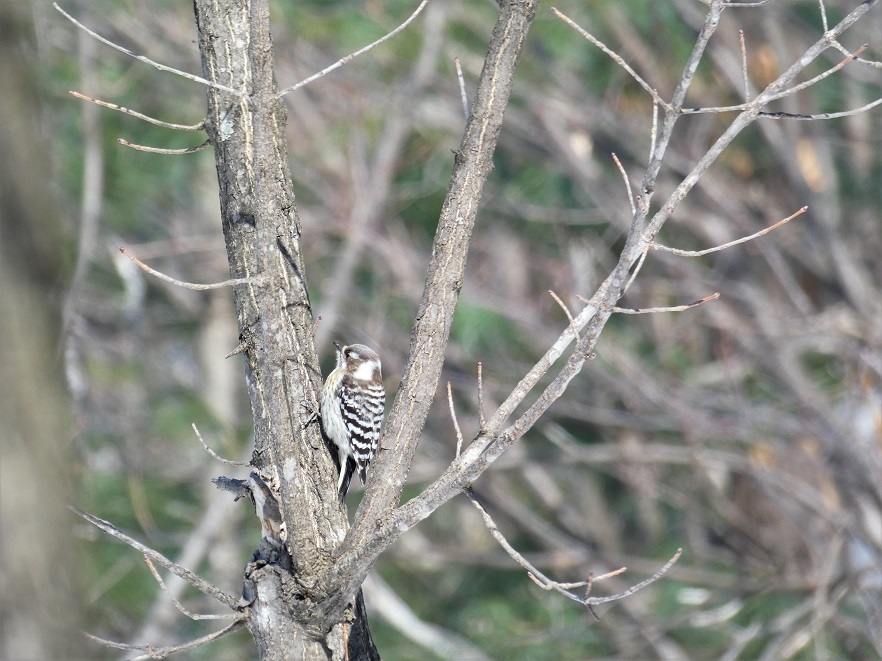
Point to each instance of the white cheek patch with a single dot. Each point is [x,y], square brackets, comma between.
[365,371]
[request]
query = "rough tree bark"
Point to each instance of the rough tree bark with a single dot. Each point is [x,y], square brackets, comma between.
[262,233]
[305,608]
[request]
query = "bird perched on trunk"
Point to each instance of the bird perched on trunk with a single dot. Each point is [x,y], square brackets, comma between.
[353,401]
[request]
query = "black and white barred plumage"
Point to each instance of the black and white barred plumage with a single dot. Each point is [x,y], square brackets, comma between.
[353,400]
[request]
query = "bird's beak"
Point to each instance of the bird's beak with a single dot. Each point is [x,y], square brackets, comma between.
[338,345]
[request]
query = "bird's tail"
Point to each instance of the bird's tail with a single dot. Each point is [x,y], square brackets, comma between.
[347,477]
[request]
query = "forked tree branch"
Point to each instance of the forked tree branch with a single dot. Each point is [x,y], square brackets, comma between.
[376,527]
[566,588]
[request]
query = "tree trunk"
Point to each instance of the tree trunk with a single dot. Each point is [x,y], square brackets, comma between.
[246,123]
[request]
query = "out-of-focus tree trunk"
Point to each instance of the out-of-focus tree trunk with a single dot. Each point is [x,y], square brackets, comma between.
[38,601]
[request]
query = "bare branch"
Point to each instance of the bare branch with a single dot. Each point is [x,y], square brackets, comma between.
[634,272]
[699,253]
[180,606]
[162,150]
[825,115]
[793,90]
[199,583]
[744,67]
[190,285]
[564,588]
[481,421]
[339,63]
[615,57]
[229,462]
[676,308]
[455,421]
[462,89]
[566,312]
[162,652]
[875,64]
[146,60]
[731,4]
[823,16]
[179,127]
[814,81]
[672,110]
[113,644]
[642,584]
[627,184]
[537,576]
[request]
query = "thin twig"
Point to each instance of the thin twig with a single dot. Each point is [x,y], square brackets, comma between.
[675,308]
[162,652]
[634,272]
[190,285]
[546,583]
[180,606]
[699,253]
[229,462]
[824,16]
[462,89]
[199,583]
[783,115]
[315,326]
[876,64]
[535,574]
[482,423]
[615,56]
[143,59]
[582,584]
[652,579]
[627,184]
[813,81]
[455,421]
[113,644]
[566,312]
[163,150]
[135,113]
[825,115]
[653,132]
[339,63]
[744,66]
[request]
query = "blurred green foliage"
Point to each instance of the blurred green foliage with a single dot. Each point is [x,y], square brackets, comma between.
[127,441]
